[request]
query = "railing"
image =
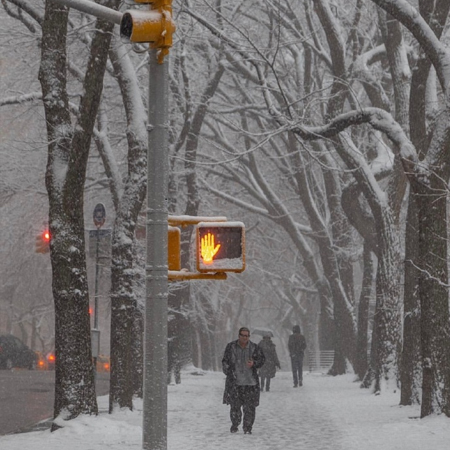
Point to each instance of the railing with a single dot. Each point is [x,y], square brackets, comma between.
[319,361]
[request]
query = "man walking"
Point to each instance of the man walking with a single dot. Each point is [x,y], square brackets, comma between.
[297,346]
[240,362]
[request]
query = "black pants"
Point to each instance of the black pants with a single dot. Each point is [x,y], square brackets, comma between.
[266,381]
[243,402]
[297,369]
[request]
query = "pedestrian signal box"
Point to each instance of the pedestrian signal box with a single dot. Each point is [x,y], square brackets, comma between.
[220,246]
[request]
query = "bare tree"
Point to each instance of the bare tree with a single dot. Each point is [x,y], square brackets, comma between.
[68,151]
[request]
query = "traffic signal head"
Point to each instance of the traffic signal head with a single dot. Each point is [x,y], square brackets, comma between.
[220,246]
[43,242]
[154,25]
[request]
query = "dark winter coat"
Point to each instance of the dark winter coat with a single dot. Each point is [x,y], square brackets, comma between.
[296,345]
[229,370]
[272,362]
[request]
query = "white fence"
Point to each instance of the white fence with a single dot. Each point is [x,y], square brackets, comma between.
[319,361]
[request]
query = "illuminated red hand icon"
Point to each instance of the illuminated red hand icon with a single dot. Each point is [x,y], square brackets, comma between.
[208,250]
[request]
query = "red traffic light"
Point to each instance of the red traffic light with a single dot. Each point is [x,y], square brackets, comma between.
[43,242]
[220,247]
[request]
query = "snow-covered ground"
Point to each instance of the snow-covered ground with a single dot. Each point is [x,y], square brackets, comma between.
[327,413]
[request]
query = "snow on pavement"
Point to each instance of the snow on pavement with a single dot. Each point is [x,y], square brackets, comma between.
[326,413]
[286,418]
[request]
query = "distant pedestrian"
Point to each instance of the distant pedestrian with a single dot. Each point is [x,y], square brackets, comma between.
[297,346]
[240,362]
[269,369]
[173,362]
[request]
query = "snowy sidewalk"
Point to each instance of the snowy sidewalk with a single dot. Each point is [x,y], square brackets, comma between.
[327,413]
[286,418]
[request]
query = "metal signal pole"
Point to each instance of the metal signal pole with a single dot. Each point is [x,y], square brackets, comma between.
[155,337]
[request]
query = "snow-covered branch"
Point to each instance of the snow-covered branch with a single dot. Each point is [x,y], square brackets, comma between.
[17,99]
[377,118]
[403,11]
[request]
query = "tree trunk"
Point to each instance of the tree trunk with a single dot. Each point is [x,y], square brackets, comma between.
[124,308]
[411,366]
[137,349]
[361,362]
[74,375]
[68,152]
[387,309]
[433,293]
[327,334]
[126,319]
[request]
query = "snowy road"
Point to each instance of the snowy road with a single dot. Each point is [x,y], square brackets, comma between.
[27,397]
[286,418]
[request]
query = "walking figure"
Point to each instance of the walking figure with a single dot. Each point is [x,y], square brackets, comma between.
[240,362]
[269,369]
[297,346]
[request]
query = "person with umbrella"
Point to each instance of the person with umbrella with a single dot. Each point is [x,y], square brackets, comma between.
[269,369]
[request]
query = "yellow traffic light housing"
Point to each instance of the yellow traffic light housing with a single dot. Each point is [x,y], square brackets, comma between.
[154,25]
[220,247]
[174,248]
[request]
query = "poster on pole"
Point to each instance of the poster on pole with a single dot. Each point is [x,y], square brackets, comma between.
[104,243]
[99,215]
